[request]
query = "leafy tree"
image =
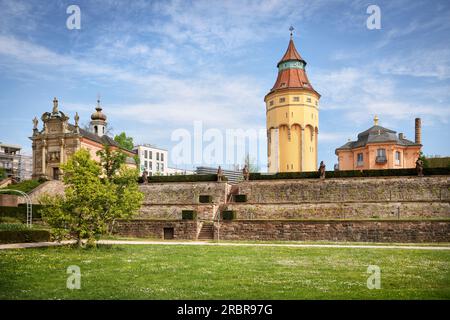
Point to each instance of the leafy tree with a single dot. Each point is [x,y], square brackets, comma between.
[91,204]
[124,141]
[424,159]
[111,160]
[2,173]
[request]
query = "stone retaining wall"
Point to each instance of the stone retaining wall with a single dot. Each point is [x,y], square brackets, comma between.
[364,231]
[385,189]
[349,210]
[165,211]
[142,228]
[183,192]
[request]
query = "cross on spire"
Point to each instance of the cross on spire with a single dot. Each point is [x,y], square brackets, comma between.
[291,29]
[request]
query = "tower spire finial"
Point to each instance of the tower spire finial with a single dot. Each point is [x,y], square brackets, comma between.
[291,29]
[375,120]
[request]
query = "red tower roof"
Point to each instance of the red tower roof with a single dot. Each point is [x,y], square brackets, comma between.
[291,73]
[291,53]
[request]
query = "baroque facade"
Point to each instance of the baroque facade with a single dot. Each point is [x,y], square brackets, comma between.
[58,140]
[292,112]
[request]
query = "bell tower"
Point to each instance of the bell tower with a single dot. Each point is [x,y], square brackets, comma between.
[292,116]
[98,122]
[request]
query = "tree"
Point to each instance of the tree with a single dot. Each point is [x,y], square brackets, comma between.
[424,159]
[91,204]
[111,160]
[124,141]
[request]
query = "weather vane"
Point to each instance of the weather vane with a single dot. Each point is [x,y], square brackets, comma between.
[291,29]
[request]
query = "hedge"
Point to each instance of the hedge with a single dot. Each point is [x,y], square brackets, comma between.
[228,215]
[349,174]
[183,178]
[205,199]
[18,236]
[240,198]
[188,215]
[20,211]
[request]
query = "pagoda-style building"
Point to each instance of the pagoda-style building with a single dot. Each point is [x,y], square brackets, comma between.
[380,148]
[292,108]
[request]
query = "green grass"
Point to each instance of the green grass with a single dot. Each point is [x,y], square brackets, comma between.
[24,186]
[204,272]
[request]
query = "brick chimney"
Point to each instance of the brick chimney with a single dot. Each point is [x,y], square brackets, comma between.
[418,130]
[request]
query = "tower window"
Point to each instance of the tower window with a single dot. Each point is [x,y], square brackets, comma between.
[296,99]
[282,100]
[283,84]
[271,103]
[308,99]
[96,129]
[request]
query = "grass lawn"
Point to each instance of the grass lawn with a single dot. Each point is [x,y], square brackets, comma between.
[205,272]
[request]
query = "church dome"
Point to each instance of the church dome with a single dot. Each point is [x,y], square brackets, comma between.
[98,115]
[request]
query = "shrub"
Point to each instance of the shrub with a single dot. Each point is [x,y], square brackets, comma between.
[20,212]
[228,215]
[349,174]
[240,198]
[205,199]
[29,235]
[188,214]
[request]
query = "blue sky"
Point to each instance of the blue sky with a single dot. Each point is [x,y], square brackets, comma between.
[159,66]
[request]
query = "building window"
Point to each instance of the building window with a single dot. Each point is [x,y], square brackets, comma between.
[360,159]
[150,154]
[150,163]
[162,156]
[381,156]
[157,166]
[157,156]
[296,99]
[397,157]
[162,166]
[271,103]
[145,164]
[145,154]
[308,99]
[282,100]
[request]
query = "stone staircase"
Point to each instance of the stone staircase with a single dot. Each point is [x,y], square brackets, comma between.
[206,232]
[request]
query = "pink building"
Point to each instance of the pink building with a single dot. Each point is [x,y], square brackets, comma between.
[380,148]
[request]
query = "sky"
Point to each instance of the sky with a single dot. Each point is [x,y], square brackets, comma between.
[159,66]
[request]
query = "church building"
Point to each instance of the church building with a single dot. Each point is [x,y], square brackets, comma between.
[58,140]
[292,114]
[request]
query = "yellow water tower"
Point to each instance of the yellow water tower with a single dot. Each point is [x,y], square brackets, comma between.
[292,112]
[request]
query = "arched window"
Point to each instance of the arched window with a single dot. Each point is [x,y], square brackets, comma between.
[96,129]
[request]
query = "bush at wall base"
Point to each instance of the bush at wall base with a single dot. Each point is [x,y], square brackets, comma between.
[188,214]
[19,236]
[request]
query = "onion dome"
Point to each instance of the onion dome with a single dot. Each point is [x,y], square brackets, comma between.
[98,115]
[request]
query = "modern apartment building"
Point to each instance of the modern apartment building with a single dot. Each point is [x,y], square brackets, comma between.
[16,165]
[152,159]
